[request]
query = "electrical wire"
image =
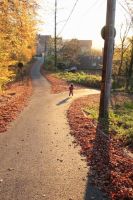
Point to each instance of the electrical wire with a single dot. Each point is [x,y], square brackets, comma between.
[97,4]
[68,17]
[92,5]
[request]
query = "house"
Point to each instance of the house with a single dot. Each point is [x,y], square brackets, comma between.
[43,44]
[88,62]
[85,45]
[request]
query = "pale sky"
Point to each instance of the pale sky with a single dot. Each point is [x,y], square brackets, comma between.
[86,21]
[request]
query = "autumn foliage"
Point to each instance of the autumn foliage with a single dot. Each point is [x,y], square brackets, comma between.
[17,34]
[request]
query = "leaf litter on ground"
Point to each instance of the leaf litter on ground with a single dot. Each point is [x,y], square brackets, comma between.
[11,105]
[58,85]
[109,168]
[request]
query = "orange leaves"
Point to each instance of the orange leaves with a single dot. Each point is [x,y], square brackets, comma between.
[10,106]
[58,85]
[109,168]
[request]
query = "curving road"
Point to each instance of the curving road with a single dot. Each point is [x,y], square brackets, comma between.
[38,159]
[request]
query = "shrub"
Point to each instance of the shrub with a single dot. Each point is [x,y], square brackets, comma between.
[120,120]
[81,78]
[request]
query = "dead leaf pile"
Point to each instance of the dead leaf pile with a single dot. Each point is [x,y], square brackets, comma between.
[58,85]
[12,101]
[110,169]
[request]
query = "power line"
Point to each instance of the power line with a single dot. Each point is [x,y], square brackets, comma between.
[68,17]
[97,4]
[92,5]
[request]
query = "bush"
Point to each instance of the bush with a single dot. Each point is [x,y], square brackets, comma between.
[81,78]
[120,120]
[49,63]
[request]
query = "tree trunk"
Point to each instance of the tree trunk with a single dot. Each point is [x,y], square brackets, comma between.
[130,70]
[107,60]
[121,61]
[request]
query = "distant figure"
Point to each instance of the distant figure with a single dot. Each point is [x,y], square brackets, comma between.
[20,70]
[71,89]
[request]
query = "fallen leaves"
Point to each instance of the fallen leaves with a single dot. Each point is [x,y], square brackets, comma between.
[109,168]
[1,180]
[11,105]
[58,85]
[10,169]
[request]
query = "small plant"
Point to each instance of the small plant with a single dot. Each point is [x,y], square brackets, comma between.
[120,120]
[81,78]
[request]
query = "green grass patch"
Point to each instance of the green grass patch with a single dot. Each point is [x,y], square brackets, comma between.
[120,120]
[81,78]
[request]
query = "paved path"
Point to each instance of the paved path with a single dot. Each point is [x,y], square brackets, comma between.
[38,160]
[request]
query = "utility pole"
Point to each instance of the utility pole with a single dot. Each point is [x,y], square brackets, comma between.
[55,38]
[109,34]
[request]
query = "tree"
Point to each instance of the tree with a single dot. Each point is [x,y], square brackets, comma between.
[130,67]
[96,52]
[123,45]
[70,51]
[17,32]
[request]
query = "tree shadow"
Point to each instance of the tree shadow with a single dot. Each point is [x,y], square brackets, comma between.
[63,101]
[99,175]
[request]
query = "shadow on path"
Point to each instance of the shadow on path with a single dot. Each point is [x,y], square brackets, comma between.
[99,177]
[63,101]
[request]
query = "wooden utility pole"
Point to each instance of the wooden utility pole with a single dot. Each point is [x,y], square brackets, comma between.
[55,38]
[109,34]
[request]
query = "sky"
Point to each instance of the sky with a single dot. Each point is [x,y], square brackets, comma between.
[85,23]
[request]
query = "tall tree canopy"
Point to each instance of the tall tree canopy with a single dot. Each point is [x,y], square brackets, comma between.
[17,32]
[70,51]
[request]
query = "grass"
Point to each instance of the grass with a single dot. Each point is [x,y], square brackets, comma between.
[120,120]
[81,78]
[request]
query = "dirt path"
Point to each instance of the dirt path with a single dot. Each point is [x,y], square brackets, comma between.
[38,158]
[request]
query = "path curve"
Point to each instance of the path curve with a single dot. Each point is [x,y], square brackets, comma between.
[38,159]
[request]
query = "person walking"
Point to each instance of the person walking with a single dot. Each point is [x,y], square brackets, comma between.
[71,87]
[21,71]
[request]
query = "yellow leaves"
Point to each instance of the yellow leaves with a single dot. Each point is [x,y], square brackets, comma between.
[5,76]
[17,33]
